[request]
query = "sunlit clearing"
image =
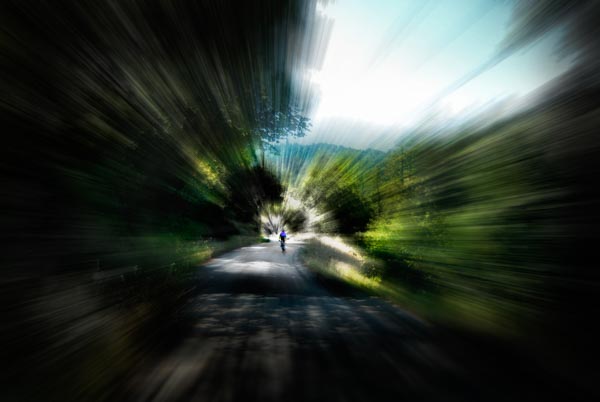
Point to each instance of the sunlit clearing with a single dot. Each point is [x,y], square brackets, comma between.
[338,244]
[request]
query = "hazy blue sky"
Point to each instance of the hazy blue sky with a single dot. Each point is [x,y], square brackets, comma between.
[389,63]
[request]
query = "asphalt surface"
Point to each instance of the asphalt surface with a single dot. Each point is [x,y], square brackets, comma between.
[265,328]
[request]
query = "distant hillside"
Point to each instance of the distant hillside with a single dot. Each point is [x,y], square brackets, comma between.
[290,161]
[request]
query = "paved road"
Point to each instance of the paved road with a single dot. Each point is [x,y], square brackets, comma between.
[266,329]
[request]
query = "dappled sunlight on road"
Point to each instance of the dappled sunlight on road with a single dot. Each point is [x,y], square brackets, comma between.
[247,267]
[288,339]
[265,328]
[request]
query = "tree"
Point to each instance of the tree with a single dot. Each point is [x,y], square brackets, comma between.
[272,124]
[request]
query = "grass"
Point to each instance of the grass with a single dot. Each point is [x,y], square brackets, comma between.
[335,259]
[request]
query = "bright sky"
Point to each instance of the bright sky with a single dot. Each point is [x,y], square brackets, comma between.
[389,62]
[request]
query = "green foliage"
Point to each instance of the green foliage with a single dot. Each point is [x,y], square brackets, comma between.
[336,183]
[475,220]
[277,216]
[274,125]
[250,190]
[130,151]
[453,218]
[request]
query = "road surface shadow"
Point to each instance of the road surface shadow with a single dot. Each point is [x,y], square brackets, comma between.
[262,328]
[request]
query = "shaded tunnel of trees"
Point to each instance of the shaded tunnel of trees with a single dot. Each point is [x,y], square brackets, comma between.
[139,141]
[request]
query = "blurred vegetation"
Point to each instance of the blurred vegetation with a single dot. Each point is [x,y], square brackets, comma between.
[473,227]
[132,153]
[278,216]
[134,146]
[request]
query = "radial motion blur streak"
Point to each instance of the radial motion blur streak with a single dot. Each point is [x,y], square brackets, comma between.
[434,164]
